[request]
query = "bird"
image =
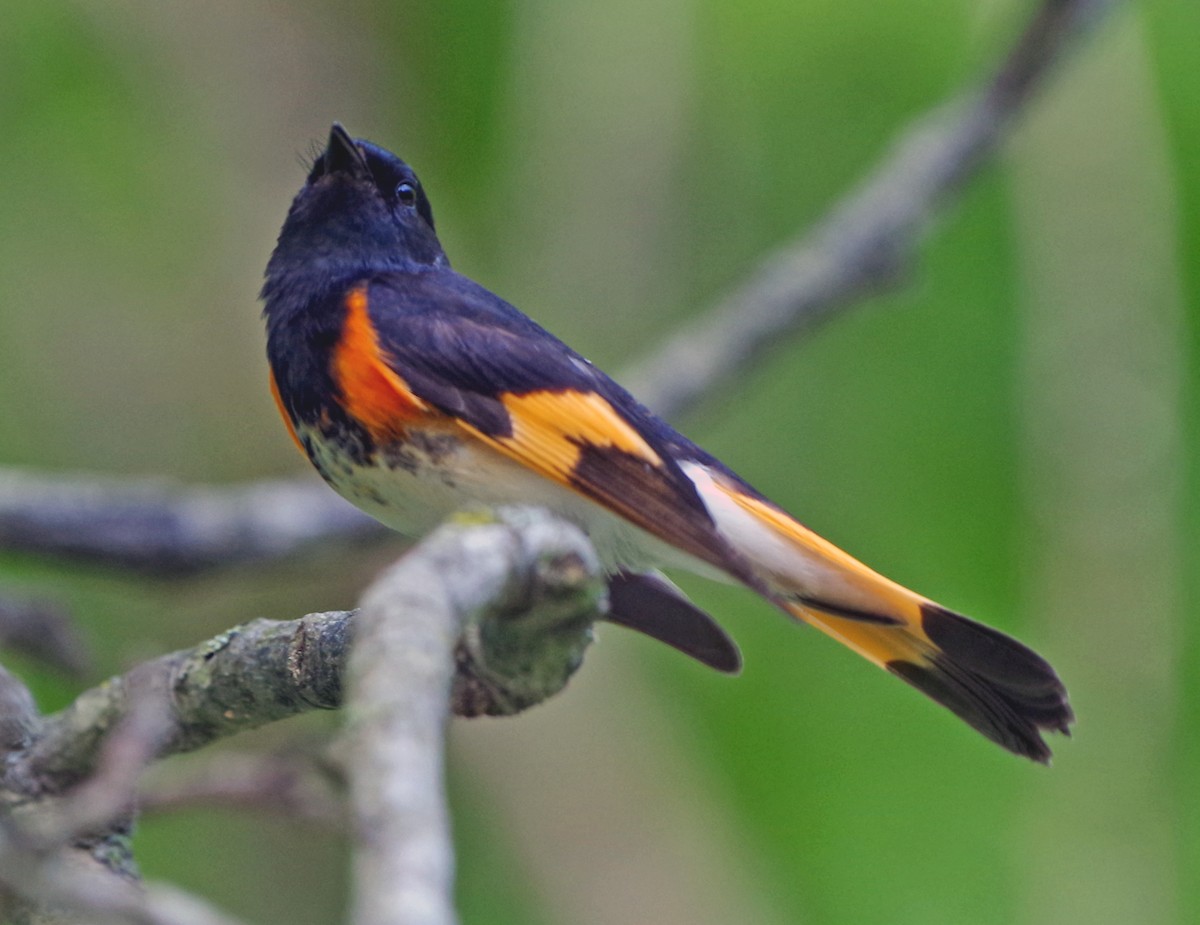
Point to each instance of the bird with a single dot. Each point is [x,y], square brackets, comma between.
[417,393]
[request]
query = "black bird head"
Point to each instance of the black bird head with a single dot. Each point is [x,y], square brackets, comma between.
[361,210]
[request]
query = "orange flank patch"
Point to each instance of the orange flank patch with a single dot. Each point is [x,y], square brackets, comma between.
[551,429]
[371,391]
[287,418]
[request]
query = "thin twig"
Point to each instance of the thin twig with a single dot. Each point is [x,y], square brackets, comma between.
[73,888]
[105,799]
[292,783]
[19,718]
[44,631]
[67,857]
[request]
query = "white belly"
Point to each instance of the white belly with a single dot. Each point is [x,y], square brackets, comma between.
[413,489]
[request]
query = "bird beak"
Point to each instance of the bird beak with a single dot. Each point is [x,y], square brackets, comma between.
[342,155]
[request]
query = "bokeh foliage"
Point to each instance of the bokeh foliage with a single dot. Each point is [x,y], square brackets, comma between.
[1011,432]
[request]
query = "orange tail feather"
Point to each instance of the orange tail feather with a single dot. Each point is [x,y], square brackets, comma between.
[997,685]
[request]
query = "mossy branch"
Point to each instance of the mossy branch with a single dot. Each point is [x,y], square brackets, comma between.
[489,615]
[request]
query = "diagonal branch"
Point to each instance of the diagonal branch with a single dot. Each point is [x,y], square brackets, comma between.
[246,677]
[869,240]
[66,889]
[67,857]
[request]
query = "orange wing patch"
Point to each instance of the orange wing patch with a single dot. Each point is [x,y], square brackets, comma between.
[580,441]
[371,391]
[550,430]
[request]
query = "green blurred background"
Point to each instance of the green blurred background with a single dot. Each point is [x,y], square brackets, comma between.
[1010,434]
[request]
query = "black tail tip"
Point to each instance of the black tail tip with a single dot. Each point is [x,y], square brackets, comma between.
[1002,688]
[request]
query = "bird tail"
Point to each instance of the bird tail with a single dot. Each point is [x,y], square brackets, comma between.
[999,686]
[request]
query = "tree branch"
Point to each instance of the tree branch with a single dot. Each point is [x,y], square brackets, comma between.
[869,240]
[43,631]
[154,526]
[489,616]
[66,857]
[72,888]
[528,589]
[246,677]
[292,782]
[19,717]
[104,801]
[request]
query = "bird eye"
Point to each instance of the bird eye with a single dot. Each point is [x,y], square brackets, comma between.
[406,192]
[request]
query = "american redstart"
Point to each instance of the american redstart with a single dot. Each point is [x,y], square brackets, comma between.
[417,393]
